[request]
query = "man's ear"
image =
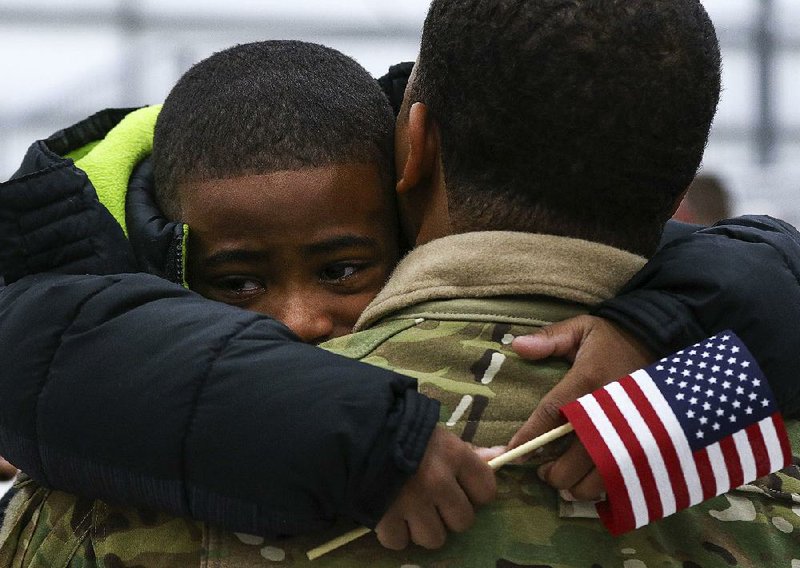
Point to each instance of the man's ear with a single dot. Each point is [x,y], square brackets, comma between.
[422,145]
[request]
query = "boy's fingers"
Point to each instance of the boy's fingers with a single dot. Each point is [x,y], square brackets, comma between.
[392,533]
[451,480]
[427,528]
[457,512]
[487,454]
[478,481]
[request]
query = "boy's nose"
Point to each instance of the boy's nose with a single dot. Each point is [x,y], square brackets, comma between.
[311,324]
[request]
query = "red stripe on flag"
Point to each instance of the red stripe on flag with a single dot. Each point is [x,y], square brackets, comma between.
[759,449]
[732,461]
[706,474]
[665,446]
[616,511]
[783,436]
[635,450]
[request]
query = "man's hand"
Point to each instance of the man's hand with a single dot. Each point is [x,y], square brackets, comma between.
[451,481]
[600,354]
[7,471]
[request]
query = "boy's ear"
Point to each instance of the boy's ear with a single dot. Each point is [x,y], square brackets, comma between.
[421,149]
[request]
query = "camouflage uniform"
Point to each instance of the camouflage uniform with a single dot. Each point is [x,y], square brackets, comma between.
[447,317]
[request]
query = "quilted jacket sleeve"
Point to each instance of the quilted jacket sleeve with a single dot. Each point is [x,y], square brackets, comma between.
[741,274]
[133,389]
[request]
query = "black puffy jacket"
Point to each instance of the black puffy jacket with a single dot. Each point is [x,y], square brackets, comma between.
[129,387]
[126,386]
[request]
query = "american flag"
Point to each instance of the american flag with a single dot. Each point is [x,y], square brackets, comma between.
[688,428]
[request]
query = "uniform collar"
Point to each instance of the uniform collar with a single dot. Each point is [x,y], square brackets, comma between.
[501,263]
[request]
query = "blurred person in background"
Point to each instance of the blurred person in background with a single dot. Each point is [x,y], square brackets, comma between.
[706,201]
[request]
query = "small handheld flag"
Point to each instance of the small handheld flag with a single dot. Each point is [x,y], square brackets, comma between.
[688,428]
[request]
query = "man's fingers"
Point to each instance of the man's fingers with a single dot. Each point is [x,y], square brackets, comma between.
[601,353]
[544,418]
[7,471]
[560,339]
[547,414]
[590,488]
[567,471]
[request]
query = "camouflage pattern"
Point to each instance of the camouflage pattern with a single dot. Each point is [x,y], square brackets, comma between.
[48,529]
[459,351]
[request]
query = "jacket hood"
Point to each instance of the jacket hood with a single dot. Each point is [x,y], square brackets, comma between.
[109,162]
[81,202]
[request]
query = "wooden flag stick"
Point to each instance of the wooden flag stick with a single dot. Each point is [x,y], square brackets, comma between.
[335,543]
[495,464]
[530,446]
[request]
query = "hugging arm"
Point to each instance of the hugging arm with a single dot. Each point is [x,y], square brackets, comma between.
[136,390]
[124,386]
[741,274]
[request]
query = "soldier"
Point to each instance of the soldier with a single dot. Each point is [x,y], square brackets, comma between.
[528,207]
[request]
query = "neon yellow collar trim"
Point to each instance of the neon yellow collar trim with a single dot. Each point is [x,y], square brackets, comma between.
[110,163]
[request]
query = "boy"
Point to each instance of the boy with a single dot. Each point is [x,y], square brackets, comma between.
[303,209]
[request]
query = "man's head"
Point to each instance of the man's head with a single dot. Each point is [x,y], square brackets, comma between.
[582,118]
[278,155]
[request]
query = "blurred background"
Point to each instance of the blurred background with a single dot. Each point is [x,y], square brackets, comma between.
[63,61]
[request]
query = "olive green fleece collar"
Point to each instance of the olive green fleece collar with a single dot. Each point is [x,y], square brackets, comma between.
[501,263]
[111,161]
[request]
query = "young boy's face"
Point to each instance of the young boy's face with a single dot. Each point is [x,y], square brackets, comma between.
[310,247]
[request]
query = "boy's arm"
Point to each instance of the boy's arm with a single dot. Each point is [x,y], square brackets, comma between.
[136,390]
[742,274]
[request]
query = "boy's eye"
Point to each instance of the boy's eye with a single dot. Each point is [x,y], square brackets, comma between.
[238,285]
[340,272]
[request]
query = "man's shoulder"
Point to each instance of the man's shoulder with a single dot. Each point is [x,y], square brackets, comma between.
[360,344]
[415,326]
[464,360]
[426,346]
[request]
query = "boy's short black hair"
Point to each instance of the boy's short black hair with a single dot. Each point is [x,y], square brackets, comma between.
[268,106]
[583,118]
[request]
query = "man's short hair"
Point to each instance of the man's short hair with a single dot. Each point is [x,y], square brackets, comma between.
[269,106]
[583,118]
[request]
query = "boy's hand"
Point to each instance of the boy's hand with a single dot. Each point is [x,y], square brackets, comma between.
[600,354]
[451,480]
